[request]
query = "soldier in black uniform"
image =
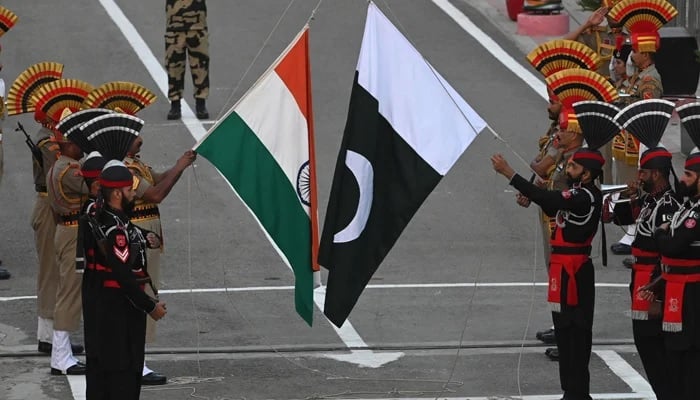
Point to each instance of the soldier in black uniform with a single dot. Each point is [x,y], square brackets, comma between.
[85,262]
[648,208]
[679,244]
[571,276]
[121,302]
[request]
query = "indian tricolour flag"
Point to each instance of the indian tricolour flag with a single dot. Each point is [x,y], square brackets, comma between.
[264,147]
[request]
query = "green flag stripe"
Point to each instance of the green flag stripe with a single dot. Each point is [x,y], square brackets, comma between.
[249,167]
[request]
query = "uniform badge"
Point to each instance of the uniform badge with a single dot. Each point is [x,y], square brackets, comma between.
[121,250]
[690,223]
[648,95]
[566,194]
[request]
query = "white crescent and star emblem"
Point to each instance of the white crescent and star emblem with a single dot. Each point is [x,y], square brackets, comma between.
[362,170]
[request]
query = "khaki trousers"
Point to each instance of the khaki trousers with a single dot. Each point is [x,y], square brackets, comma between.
[44,227]
[69,307]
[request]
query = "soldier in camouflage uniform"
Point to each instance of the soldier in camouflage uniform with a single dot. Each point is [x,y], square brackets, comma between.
[187,37]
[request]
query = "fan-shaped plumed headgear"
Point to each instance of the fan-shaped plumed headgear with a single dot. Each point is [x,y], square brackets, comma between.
[58,99]
[115,175]
[574,85]
[643,19]
[598,125]
[69,127]
[647,120]
[560,54]
[8,19]
[124,97]
[19,98]
[92,165]
[690,118]
[112,134]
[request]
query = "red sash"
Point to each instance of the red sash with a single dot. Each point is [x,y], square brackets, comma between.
[569,263]
[675,287]
[642,277]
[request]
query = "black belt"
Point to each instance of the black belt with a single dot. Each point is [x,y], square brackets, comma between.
[647,260]
[670,269]
[586,250]
[70,219]
[146,212]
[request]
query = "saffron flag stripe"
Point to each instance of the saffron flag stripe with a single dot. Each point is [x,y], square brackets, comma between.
[386,80]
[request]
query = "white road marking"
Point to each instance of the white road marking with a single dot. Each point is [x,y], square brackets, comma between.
[379,286]
[625,371]
[77,386]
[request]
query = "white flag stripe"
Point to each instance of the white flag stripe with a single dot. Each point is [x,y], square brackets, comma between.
[418,103]
[291,150]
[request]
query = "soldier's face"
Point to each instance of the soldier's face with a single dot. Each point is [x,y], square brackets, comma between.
[619,67]
[128,199]
[639,59]
[688,186]
[646,179]
[136,146]
[553,109]
[574,172]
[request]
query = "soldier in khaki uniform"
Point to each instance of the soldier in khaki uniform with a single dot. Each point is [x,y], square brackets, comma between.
[151,189]
[187,37]
[43,154]
[603,40]
[66,192]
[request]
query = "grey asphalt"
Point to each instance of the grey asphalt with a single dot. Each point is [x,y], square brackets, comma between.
[251,344]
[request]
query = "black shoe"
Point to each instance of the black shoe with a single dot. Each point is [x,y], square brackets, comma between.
[552,353]
[201,109]
[628,262]
[153,378]
[4,274]
[174,112]
[621,249]
[46,347]
[547,336]
[75,369]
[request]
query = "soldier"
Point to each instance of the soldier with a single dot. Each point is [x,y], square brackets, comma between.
[639,18]
[151,189]
[187,37]
[571,289]
[44,153]
[549,58]
[680,259]
[121,302]
[652,203]
[66,192]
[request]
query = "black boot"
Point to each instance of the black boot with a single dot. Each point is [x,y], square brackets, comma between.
[174,112]
[201,109]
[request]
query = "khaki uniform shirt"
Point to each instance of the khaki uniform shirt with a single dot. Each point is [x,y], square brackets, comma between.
[66,187]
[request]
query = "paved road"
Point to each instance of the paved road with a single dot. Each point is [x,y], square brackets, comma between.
[247,342]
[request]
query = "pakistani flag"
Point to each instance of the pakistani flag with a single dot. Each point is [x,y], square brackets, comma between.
[405,129]
[263,147]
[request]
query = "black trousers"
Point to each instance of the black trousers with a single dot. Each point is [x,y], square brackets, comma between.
[120,385]
[683,373]
[651,349]
[574,344]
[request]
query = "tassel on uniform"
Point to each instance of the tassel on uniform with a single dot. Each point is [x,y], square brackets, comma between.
[672,326]
[640,315]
